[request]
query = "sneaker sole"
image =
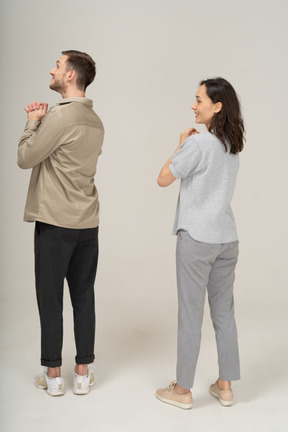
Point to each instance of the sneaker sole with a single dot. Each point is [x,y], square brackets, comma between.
[50,392]
[55,392]
[175,403]
[40,386]
[81,392]
[222,402]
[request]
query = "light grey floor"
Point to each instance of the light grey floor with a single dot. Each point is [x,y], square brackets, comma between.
[135,355]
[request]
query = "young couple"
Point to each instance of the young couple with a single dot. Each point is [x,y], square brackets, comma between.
[62,147]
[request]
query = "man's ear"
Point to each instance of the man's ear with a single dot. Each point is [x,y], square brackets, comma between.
[71,75]
[218,107]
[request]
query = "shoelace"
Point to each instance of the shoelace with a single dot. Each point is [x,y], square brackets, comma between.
[172,385]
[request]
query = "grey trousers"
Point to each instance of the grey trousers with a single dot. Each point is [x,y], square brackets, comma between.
[200,266]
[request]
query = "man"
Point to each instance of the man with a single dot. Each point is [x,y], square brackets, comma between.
[62,146]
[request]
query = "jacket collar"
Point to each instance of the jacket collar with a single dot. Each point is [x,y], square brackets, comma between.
[75,99]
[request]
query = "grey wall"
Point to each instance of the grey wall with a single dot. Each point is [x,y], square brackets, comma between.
[150,58]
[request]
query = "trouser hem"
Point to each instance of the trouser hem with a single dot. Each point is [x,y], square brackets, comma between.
[52,364]
[85,360]
[230,379]
[182,384]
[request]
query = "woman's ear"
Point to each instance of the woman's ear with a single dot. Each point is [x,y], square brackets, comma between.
[218,107]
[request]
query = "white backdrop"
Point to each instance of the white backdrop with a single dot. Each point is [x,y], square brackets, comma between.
[150,57]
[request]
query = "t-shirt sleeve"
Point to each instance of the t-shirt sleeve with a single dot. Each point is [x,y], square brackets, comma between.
[186,160]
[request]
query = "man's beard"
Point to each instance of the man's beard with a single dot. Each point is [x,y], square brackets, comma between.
[57,86]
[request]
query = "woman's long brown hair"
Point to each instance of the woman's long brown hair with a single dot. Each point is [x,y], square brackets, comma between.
[228,123]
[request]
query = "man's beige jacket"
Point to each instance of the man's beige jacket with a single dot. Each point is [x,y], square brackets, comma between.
[63,150]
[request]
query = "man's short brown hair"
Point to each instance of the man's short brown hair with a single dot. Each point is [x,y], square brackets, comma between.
[83,65]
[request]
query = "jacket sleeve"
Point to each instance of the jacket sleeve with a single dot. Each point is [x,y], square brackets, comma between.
[40,139]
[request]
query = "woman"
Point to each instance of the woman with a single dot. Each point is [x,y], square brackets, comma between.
[207,244]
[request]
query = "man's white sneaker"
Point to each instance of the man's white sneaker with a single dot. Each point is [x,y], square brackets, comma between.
[54,386]
[82,383]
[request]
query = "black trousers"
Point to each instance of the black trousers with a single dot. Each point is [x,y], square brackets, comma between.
[72,254]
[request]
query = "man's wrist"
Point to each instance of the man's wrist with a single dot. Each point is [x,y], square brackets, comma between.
[32,125]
